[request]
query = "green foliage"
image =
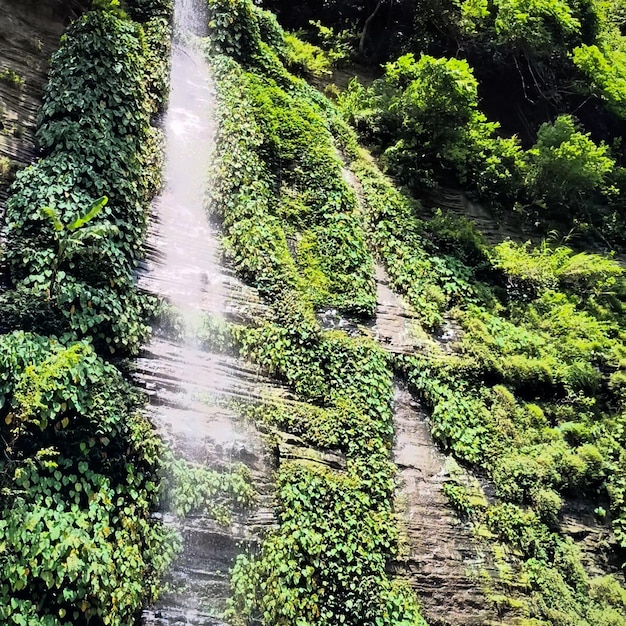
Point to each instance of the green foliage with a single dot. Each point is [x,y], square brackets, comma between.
[79,470]
[78,476]
[338,44]
[11,77]
[193,488]
[305,59]
[420,256]
[294,230]
[534,25]
[426,119]
[524,395]
[277,138]
[529,272]
[605,74]
[565,166]
[346,518]
[96,139]
[158,37]
[536,28]
[70,242]
[235,29]
[147,10]
[329,539]
[424,114]
[113,7]
[540,573]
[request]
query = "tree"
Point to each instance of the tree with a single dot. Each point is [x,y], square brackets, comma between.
[565,166]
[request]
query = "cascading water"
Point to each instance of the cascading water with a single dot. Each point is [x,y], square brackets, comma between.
[183,266]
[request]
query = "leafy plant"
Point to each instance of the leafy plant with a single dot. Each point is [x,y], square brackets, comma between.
[88,152]
[565,166]
[72,237]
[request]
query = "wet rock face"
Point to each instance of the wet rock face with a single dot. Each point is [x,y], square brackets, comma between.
[29,33]
[195,395]
[594,537]
[454,201]
[441,558]
[395,324]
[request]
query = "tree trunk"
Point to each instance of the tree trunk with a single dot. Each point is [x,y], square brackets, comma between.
[366,26]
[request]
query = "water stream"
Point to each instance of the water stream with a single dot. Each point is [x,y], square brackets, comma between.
[187,385]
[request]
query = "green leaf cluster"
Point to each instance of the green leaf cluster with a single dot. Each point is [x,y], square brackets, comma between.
[96,138]
[77,482]
[277,139]
[533,392]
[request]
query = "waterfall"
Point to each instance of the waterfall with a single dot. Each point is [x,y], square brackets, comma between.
[183,382]
[188,273]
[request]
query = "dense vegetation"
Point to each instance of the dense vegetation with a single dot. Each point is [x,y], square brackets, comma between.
[520,103]
[531,396]
[532,393]
[79,467]
[293,229]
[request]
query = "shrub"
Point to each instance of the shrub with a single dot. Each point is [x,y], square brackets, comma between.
[535,26]
[305,59]
[605,75]
[77,481]
[147,10]
[565,167]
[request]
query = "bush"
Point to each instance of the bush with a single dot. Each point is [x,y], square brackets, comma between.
[535,26]
[305,59]
[565,167]
[147,10]
[605,75]
[76,485]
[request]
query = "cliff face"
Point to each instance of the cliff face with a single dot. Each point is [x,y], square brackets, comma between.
[29,34]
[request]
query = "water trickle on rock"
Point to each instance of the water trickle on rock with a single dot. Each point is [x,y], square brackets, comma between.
[188,386]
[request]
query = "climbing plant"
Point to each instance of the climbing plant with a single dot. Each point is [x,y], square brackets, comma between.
[79,470]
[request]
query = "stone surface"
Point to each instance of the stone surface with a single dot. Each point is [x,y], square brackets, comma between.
[594,538]
[396,327]
[30,31]
[292,448]
[442,559]
[454,201]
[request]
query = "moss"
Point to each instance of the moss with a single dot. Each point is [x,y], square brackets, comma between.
[11,77]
